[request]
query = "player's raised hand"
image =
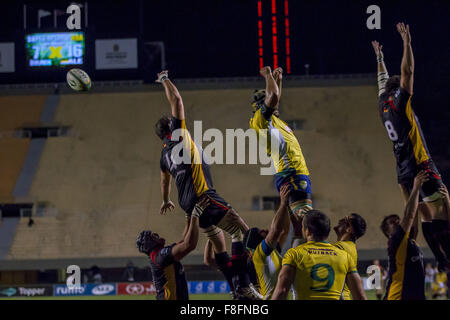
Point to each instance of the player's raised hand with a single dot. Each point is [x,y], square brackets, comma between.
[265,71]
[200,206]
[420,179]
[277,74]
[166,206]
[404,32]
[284,194]
[163,75]
[377,48]
[444,191]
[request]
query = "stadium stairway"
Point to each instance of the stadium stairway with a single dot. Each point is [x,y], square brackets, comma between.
[19,164]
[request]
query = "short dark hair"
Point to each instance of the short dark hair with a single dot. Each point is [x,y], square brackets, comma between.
[318,224]
[384,223]
[162,127]
[359,225]
[392,84]
[252,238]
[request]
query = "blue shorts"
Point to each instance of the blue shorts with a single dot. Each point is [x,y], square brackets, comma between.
[300,183]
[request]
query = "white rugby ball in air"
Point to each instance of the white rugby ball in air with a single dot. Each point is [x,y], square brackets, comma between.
[79,80]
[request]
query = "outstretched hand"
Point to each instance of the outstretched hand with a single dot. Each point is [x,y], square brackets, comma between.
[377,48]
[277,74]
[284,194]
[421,178]
[162,76]
[404,32]
[166,206]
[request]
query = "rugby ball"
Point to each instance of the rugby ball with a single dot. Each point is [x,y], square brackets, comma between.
[78,80]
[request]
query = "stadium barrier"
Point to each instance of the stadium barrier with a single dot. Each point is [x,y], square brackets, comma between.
[111,289]
[107,289]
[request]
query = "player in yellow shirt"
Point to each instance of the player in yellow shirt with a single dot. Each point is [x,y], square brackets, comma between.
[282,146]
[348,230]
[265,246]
[317,269]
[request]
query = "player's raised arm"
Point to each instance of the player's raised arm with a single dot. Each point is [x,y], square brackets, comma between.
[354,283]
[407,66]
[272,91]
[382,73]
[285,280]
[413,202]
[279,221]
[189,243]
[172,94]
[446,199]
[278,77]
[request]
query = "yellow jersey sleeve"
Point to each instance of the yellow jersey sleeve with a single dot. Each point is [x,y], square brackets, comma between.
[258,121]
[351,264]
[293,258]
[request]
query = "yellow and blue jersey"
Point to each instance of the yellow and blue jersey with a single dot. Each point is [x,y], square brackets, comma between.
[321,270]
[289,154]
[267,262]
[350,248]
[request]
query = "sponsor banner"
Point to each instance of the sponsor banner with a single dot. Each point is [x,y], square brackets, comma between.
[196,287]
[90,289]
[27,291]
[104,289]
[116,54]
[136,288]
[7,57]
[63,290]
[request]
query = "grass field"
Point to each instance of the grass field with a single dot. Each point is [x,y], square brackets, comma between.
[370,296]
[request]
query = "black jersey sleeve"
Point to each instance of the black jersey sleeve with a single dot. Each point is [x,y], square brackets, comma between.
[165,257]
[175,124]
[162,163]
[395,240]
[401,97]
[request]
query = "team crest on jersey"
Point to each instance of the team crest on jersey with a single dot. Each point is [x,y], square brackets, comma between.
[303,184]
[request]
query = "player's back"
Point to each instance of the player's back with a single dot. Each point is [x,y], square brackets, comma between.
[186,163]
[290,153]
[321,270]
[350,248]
[168,275]
[404,130]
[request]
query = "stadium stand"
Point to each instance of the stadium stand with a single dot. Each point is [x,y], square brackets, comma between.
[103,183]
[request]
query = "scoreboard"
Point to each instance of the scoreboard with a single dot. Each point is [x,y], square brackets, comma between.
[58,49]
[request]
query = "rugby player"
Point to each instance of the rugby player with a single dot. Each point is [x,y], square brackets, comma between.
[183,160]
[318,269]
[406,273]
[265,246]
[348,230]
[410,149]
[167,271]
[289,162]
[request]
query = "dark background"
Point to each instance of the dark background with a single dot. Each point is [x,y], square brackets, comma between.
[219,38]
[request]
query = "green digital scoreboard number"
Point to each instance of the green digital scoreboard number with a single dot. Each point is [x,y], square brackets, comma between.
[57,49]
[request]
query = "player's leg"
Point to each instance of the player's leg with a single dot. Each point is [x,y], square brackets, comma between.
[300,197]
[427,224]
[436,204]
[221,258]
[235,226]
